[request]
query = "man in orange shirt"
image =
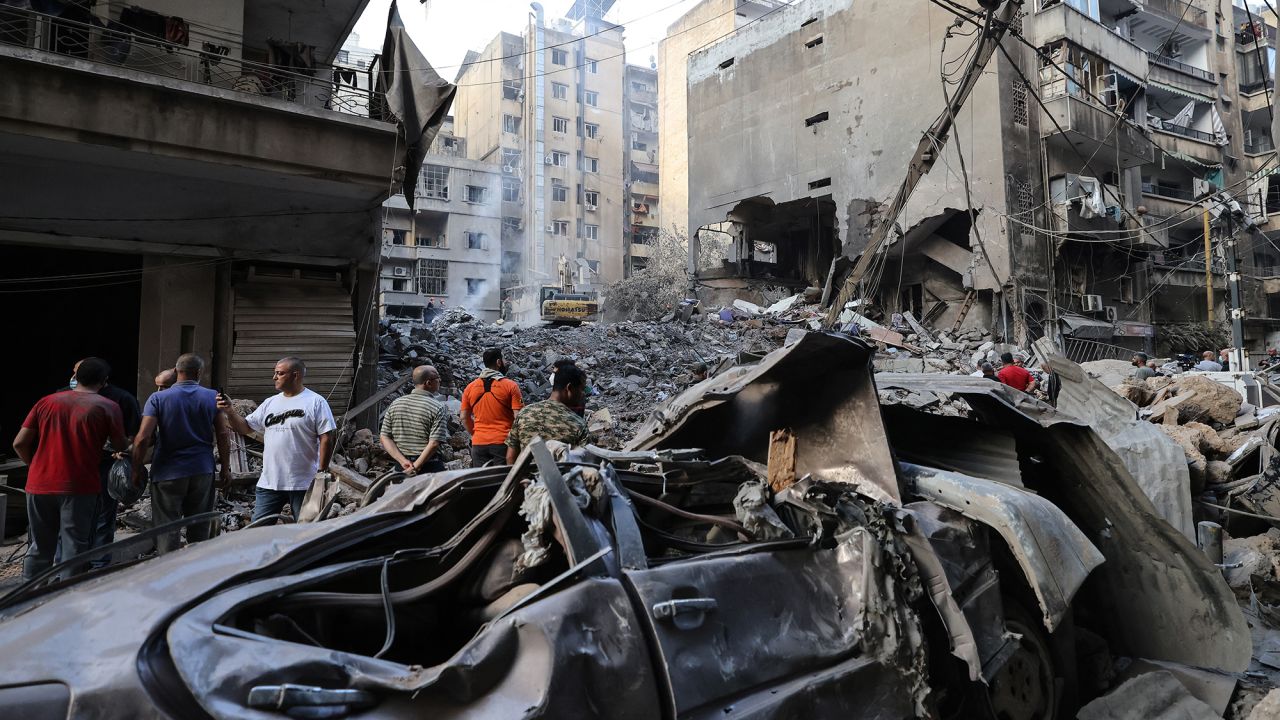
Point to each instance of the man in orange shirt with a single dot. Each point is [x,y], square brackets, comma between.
[489,406]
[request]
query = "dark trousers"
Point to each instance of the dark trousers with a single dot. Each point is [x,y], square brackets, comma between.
[270,502]
[481,454]
[104,516]
[179,498]
[60,524]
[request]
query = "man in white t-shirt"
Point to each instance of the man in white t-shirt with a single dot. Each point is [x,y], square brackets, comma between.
[298,433]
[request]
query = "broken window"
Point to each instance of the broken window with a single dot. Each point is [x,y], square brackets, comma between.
[765,252]
[431,241]
[475,194]
[475,240]
[511,224]
[637,145]
[511,124]
[433,276]
[475,286]
[510,159]
[512,90]
[397,237]
[592,199]
[435,180]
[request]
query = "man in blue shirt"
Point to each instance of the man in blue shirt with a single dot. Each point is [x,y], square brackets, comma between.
[186,422]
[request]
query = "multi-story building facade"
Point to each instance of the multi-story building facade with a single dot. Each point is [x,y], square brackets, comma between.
[702,25]
[1087,145]
[546,109]
[197,183]
[447,251]
[641,167]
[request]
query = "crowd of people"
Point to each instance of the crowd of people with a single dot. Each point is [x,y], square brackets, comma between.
[74,439]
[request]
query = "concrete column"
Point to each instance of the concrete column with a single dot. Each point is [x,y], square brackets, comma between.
[178,299]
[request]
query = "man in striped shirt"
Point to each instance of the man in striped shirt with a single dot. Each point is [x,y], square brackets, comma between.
[415,425]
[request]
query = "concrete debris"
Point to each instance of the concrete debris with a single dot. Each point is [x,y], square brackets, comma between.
[1268,708]
[1153,696]
[1249,557]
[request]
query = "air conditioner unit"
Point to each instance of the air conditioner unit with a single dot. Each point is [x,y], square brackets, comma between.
[400,271]
[1092,303]
[591,207]
[508,169]
[1199,187]
[549,160]
[551,228]
[1110,312]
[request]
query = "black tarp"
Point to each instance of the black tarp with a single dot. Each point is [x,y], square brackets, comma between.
[416,96]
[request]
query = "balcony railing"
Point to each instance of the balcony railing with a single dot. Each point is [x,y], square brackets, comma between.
[1168,192]
[1180,66]
[1186,132]
[1178,10]
[322,87]
[1257,147]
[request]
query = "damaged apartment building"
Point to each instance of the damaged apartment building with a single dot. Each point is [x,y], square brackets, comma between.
[445,251]
[1066,200]
[210,183]
[546,109]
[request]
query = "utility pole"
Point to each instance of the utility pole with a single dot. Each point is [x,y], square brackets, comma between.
[1231,216]
[1208,271]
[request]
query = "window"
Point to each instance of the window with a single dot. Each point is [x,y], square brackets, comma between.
[436,182]
[344,56]
[559,91]
[399,285]
[639,87]
[591,232]
[559,57]
[591,198]
[431,241]
[510,159]
[475,194]
[637,145]
[433,276]
[475,286]
[475,240]
[511,124]
[511,90]
[560,227]
[510,190]
[592,66]
[1126,290]
[591,98]
[397,237]
[559,193]
[559,124]
[511,224]
[559,159]
[591,164]
[592,130]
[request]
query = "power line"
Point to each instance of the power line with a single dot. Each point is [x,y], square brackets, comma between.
[287,213]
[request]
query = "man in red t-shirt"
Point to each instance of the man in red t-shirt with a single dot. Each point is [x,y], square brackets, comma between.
[1014,375]
[62,440]
[489,406]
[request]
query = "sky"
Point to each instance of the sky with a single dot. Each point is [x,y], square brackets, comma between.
[445,29]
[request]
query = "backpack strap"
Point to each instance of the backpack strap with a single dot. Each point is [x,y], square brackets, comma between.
[488,386]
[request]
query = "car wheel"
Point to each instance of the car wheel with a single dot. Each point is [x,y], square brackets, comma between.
[1028,687]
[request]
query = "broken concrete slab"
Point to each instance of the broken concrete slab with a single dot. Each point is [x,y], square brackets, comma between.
[1153,696]
[1213,400]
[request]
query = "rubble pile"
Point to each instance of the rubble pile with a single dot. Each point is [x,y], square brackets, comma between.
[630,366]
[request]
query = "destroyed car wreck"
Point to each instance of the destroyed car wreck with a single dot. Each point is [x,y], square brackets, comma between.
[773,543]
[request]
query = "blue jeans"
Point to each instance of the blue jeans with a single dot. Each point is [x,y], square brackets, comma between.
[269,502]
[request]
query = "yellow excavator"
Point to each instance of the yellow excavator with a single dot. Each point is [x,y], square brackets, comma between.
[562,305]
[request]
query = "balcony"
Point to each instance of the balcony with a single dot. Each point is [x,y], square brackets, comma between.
[1164,202]
[647,189]
[1088,128]
[1188,141]
[644,97]
[1061,21]
[1181,67]
[641,250]
[1179,11]
[144,134]
[1179,272]
[1259,146]
[1256,100]
[399,252]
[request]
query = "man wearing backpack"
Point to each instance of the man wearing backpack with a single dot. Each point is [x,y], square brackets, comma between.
[489,406]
